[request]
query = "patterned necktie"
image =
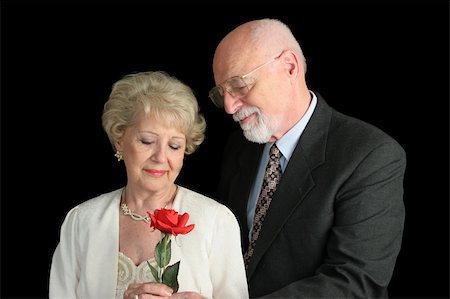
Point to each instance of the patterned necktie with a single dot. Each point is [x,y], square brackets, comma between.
[271,179]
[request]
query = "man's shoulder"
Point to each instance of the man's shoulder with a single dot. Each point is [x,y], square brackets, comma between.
[359,131]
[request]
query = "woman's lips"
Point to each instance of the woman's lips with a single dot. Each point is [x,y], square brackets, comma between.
[155,172]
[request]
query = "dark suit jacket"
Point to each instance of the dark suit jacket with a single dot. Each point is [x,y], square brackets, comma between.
[335,224]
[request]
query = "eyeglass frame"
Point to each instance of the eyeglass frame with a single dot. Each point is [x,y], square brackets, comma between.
[218,88]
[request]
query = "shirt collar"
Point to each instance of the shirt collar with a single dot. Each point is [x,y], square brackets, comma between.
[287,143]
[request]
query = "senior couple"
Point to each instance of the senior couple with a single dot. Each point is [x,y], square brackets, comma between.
[309,204]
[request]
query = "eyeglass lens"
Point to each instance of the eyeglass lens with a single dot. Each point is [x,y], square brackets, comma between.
[235,86]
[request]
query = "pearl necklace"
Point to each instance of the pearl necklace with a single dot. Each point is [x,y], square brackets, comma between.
[135,216]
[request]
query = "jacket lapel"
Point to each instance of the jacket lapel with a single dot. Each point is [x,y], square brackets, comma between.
[297,180]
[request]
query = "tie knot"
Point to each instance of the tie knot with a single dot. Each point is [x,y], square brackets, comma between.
[275,153]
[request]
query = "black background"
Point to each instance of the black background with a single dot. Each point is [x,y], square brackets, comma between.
[385,62]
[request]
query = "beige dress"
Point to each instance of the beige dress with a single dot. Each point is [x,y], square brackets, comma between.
[128,273]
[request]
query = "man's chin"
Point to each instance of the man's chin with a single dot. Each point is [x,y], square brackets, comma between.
[255,137]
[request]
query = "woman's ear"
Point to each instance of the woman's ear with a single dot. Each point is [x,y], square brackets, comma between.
[118,145]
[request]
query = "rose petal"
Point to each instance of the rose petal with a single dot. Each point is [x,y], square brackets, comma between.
[182,230]
[183,219]
[168,221]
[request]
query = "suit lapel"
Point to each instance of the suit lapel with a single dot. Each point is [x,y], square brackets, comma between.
[295,184]
[297,180]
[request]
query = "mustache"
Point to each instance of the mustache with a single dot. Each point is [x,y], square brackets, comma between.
[245,112]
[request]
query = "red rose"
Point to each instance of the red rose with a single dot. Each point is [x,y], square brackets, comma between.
[168,221]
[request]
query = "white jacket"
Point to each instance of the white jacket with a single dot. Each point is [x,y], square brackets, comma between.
[85,261]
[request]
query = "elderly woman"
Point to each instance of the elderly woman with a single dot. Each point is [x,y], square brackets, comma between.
[107,244]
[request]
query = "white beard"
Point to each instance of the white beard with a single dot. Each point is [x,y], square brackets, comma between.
[258,130]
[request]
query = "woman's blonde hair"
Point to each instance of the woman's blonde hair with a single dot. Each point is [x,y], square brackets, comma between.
[158,94]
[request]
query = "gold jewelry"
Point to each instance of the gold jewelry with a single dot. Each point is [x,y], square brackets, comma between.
[127,212]
[119,155]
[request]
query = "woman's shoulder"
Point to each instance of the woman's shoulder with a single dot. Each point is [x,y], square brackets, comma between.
[195,202]
[98,203]
[190,196]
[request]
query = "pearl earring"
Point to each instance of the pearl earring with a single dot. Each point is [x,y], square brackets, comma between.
[118,155]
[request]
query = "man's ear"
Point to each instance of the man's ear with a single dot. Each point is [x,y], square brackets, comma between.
[292,62]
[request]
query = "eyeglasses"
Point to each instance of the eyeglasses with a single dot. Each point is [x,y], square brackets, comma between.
[237,86]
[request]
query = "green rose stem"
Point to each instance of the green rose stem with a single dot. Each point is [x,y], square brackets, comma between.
[165,274]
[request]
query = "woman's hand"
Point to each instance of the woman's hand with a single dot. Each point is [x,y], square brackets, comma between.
[156,290]
[187,295]
[148,291]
